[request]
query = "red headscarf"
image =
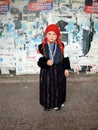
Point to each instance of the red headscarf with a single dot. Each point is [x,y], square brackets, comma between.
[54,28]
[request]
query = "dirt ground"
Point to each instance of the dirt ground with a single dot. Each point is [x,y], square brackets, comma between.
[20,108]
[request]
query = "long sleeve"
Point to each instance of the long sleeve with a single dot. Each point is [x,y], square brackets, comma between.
[42,61]
[66,63]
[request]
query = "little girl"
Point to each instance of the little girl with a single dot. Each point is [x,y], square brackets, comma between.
[54,69]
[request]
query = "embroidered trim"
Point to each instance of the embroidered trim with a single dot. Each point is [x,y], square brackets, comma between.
[54,52]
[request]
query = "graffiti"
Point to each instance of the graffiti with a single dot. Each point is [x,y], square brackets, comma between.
[41,5]
[22,30]
[91,6]
[4,6]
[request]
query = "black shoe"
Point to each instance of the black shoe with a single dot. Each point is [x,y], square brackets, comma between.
[46,109]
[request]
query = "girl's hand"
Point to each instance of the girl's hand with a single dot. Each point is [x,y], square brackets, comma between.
[50,62]
[66,73]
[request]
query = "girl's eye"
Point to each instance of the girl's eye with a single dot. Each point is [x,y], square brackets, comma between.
[54,34]
[51,34]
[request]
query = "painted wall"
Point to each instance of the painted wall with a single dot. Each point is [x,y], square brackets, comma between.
[22,27]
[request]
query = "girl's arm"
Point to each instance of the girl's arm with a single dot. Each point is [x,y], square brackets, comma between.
[42,61]
[66,65]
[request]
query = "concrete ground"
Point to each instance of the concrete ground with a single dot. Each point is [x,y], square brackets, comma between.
[20,108]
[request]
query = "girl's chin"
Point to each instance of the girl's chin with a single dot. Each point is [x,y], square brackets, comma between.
[51,42]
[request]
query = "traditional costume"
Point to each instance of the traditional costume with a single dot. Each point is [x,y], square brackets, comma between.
[52,79]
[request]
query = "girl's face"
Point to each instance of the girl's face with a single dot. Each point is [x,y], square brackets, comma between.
[51,36]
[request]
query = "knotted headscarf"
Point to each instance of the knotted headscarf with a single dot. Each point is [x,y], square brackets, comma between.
[54,28]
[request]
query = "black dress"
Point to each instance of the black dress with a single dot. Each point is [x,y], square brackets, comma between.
[52,83]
